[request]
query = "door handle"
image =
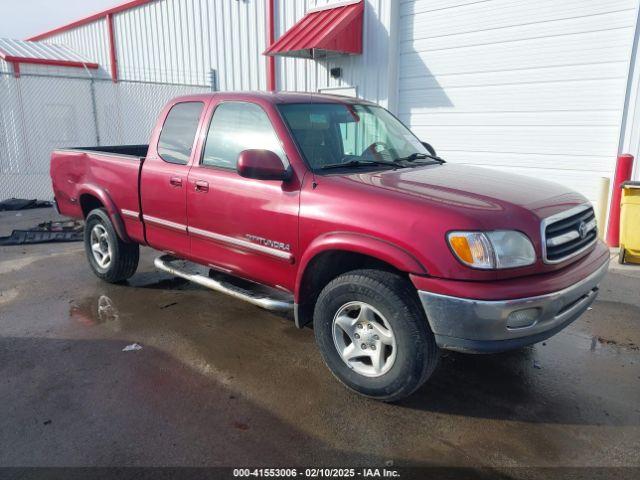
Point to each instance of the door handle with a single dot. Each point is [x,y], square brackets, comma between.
[201,186]
[175,181]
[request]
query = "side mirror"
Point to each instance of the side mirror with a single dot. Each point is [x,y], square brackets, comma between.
[430,149]
[261,165]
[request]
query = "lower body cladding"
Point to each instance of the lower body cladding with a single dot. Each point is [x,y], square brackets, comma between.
[478,326]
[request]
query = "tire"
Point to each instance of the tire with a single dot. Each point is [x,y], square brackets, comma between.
[384,299]
[123,257]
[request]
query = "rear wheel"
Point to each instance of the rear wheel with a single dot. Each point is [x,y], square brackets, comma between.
[373,334]
[110,258]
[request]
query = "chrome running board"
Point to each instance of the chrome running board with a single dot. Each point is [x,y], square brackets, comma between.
[260,299]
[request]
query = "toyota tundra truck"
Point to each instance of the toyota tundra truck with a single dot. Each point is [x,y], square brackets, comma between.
[331,208]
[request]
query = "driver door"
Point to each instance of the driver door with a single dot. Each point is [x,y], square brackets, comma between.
[245,227]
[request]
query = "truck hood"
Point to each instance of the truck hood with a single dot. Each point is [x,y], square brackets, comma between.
[415,208]
[482,192]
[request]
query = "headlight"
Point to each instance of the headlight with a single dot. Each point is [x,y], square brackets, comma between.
[491,250]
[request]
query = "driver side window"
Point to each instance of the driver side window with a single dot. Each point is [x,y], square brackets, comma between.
[238,126]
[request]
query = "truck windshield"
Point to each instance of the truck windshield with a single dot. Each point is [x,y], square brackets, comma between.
[334,135]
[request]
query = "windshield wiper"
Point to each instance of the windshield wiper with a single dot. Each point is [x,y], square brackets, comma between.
[419,156]
[358,163]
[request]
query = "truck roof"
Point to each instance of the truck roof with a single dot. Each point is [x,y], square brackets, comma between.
[281,97]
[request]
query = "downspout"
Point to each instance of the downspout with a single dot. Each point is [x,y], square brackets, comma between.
[112,48]
[393,69]
[271,61]
[628,137]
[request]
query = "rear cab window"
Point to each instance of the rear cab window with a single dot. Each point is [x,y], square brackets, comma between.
[179,132]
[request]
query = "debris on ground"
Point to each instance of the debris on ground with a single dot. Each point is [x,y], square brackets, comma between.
[107,311]
[607,341]
[167,305]
[132,348]
[537,365]
[63,231]
[13,204]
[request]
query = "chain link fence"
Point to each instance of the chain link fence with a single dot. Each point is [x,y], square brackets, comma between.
[40,113]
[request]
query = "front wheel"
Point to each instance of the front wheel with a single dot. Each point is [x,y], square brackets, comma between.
[110,258]
[373,334]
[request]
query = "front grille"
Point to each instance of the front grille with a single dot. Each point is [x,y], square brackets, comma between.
[568,233]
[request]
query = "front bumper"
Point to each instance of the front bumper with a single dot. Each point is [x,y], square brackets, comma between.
[480,326]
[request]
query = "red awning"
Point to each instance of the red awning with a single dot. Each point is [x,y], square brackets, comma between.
[335,28]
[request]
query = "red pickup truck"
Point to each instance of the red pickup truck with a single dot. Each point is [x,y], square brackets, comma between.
[330,207]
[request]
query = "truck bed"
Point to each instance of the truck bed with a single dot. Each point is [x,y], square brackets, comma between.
[86,177]
[139,151]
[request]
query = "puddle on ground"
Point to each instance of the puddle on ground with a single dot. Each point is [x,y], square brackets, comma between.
[92,312]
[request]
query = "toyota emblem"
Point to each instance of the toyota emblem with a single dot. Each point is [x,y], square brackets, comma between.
[582,229]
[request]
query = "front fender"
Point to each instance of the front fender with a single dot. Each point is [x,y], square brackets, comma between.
[110,207]
[358,243]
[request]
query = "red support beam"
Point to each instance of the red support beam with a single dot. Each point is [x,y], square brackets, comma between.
[271,35]
[16,69]
[112,48]
[46,61]
[91,18]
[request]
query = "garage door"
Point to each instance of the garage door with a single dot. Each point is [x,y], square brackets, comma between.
[535,88]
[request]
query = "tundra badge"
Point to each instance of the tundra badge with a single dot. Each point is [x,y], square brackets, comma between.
[265,242]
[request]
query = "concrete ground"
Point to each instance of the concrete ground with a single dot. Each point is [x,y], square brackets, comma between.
[220,382]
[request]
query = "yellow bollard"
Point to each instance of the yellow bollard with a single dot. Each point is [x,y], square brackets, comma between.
[603,205]
[630,223]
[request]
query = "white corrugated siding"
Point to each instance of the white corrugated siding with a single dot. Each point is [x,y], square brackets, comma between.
[631,137]
[237,38]
[531,87]
[181,41]
[90,41]
[369,73]
[162,42]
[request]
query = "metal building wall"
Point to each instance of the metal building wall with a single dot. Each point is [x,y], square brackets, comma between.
[163,42]
[89,40]
[630,136]
[372,74]
[181,41]
[531,88]
[237,40]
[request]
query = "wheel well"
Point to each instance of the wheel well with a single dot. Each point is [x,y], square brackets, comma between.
[323,268]
[89,202]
